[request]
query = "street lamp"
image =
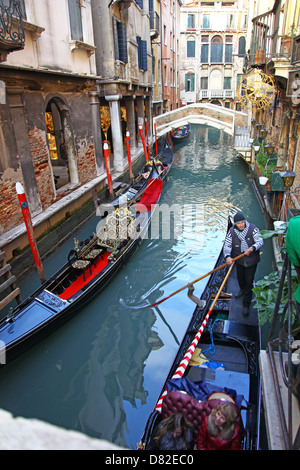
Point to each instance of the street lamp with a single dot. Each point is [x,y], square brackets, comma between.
[263,133]
[269,148]
[288,178]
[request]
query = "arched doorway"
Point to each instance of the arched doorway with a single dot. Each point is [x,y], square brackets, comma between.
[60,143]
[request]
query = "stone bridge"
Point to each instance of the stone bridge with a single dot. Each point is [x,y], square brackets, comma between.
[201,113]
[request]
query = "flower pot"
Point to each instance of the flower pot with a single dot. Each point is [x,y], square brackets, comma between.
[263,180]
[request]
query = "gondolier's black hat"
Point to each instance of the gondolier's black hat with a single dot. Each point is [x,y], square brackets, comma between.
[239,217]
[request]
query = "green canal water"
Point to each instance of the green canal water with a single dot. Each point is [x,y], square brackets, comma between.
[102,372]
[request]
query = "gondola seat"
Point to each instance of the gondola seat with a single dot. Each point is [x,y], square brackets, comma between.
[194,410]
[81,266]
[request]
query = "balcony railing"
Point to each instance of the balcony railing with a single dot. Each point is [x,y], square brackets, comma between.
[154,24]
[214,94]
[268,41]
[12,37]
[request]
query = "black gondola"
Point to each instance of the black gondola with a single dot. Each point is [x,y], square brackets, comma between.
[230,343]
[88,270]
[181,134]
[131,191]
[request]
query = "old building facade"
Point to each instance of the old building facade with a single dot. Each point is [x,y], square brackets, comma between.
[275,51]
[213,47]
[64,89]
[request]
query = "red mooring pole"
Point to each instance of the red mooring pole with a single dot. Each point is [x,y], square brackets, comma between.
[107,165]
[128,154]
[143,140]
[146,126]
[30,232]
[155,139]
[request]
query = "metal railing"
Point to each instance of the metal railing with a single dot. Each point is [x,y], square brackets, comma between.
[268,40]
[12,35]
[282,339]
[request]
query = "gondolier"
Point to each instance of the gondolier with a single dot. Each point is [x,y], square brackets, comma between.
[244,237]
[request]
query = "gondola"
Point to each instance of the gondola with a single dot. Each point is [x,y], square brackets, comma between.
[181,134]
[90,267]
[134,189]
[219,363]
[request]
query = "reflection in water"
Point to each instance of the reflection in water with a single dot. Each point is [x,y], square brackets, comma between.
[102,372]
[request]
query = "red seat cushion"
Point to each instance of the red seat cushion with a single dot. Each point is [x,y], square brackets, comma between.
[192,409]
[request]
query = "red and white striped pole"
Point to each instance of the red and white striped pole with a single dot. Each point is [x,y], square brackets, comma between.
[143,141]
[30,232]
[185,361]
[128,154]
[107,165]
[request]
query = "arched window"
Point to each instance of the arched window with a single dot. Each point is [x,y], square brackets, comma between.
[190,47]
[242,46]
[216,52]
[60,143]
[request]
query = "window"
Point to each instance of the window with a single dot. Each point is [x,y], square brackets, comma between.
[139,3]
[142,53]
[191,22]
[242,46]
[228,49]
[227,83]
[206,21]
[204,50]
[190,47]
[75,20]
[120,40]
[190,82]
[204,83]
[230,21]
[216,52]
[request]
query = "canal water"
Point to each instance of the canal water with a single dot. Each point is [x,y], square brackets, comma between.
[102,372]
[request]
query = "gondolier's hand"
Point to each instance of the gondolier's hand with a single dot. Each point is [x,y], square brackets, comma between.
[229,260]
[248,251]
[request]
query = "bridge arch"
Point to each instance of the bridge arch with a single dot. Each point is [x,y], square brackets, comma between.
[201,113]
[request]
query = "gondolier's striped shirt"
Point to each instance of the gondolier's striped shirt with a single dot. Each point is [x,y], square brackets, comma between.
[257,238]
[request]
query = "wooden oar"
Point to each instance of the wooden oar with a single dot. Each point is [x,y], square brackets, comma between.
[193,282]
[178,374]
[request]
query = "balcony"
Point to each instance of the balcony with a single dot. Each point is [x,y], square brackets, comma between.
[216,94]
[269,42]
[154,24]
[12,37]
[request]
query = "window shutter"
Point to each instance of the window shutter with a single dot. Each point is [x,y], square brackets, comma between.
[144,55]
[122,38]
[139,3]
[190,48]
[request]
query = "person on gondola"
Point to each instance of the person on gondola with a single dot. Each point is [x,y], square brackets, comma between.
[243,237]
[220,430]
[147,170]
[174,433]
